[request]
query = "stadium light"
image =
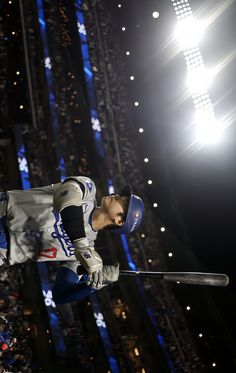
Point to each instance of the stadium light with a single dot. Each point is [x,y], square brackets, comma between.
[155,14]
[193,58]
[199,79]
[188,32]
[208,130]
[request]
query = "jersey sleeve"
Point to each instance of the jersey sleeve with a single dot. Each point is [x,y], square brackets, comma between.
[87,186]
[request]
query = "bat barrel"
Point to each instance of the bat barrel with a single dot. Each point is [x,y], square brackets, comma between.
[198,278]
[193,278]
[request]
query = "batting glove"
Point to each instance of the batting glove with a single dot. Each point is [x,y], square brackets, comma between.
[106,275]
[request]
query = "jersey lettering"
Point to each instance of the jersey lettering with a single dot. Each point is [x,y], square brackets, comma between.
[62,237]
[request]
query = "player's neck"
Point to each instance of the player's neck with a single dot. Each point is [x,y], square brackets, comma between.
[99,219]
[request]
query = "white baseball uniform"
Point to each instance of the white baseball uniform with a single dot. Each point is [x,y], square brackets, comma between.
[35,229]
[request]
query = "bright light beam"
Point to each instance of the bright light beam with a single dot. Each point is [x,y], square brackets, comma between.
[189,32]
[199,80]
[208,130]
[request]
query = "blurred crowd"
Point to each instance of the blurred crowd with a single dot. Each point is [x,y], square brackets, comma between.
[15,330]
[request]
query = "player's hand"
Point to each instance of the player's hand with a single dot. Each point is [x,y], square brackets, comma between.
[104,276]
[88,258]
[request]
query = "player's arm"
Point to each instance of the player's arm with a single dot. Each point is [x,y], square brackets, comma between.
[70,287]
[68,200]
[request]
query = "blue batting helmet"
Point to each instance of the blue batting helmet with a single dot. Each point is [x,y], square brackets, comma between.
[134,214]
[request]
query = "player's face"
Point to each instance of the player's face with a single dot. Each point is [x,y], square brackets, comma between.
[116,207]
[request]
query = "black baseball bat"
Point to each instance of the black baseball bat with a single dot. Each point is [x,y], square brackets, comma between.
[193,278]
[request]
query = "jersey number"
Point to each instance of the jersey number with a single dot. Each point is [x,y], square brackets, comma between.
[49,253]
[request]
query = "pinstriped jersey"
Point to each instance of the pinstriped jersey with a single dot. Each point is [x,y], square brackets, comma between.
[35,229]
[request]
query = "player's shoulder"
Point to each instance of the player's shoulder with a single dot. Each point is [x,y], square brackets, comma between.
[87,184]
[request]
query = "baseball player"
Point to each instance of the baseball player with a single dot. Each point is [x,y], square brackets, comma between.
[60,222]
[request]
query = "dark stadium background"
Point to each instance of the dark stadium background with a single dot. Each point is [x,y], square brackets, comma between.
[194,187]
